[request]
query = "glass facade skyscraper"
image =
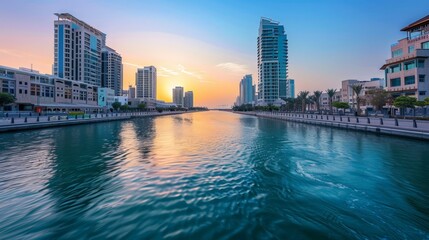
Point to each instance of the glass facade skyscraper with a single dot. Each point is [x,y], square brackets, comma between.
[111,70]
[78,49]
[246,90]
[146,83]
[272,62]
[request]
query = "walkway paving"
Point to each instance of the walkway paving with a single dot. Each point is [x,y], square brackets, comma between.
[401,127]
[35,122]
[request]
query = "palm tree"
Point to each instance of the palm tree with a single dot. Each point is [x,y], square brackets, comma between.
[331,92]
[317,95]
[357,89]
[303,95]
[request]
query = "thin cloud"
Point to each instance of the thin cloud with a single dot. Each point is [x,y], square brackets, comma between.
[166,71]
[233,67]
[132,64]
[11,53]
[182,69]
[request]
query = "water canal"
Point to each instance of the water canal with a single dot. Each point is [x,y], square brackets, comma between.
[211,175]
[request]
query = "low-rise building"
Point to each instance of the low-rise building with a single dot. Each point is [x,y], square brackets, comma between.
[407,71]
[42,92]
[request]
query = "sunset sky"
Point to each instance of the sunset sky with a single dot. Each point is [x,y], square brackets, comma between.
[207,46]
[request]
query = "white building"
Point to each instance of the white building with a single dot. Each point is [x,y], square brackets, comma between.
[146,82]
[111,73]
[121,99]
[178,96]
[77,53]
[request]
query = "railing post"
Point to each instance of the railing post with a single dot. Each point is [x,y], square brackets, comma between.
[25,119]
[49,118]
[341,119]
[348,119]
[414,123]
[333,118]
[357,119]
[369,121]
[37,119]
[381,121]
[396,122]
[12,120]
[327,117]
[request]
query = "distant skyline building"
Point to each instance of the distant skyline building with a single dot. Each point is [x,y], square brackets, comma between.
[246,90]
[188,100]
[407,71]
[77,50]
[290,86]
[146,82]
[111,70]
[272,62]
[178,96]
[131,92]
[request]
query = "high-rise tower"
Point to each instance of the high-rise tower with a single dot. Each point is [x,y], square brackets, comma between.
[77,50]
[146,82]
[272,61]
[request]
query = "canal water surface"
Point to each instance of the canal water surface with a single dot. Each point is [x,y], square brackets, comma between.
[211,175]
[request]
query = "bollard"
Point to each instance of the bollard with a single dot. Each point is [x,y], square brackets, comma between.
[321,117]
[25,119]
[12,120]
[381,121]
[348,119]
[396,122]
[357,120]
[37,119]
[327,117]
[49,118]
[414,123]
[341,119]
[333,118]
[369,121]
[316,116]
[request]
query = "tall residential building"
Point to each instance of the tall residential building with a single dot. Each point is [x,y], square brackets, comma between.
[290,86]
[272,61]
[188,100]
[111,70]
[146,82]
[178,96]
[77,50]
[407,71]
[246,90]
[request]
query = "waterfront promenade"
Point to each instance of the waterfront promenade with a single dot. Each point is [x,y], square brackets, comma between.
[418,129]
[36,122]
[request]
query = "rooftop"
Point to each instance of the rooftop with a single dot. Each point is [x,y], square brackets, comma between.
[416,24]
[69,17]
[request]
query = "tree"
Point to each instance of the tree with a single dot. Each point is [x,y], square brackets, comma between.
[6,98]
[317,95]
[124,107]
[116,105]
[427,101]
[141,106]
[340,105]
[303,97]
[331,92]
[378,98]
[403,102]
[357,89]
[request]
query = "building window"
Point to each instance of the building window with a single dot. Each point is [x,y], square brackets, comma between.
[425,45]
[422,93]
[410,49]
[20,91]
[397,53]
[395,68]
[395,82]
[420,63]
[410,80]
[409,65]
[421,78]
